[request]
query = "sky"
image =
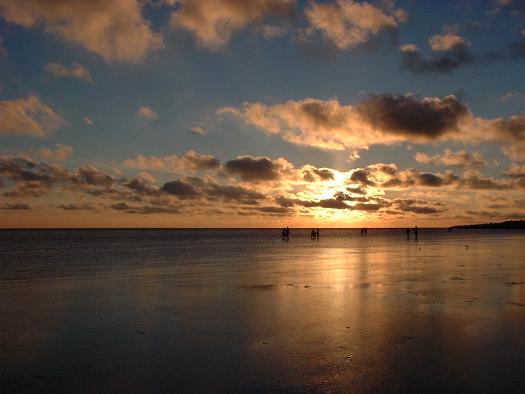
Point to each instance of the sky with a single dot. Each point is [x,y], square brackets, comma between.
[261,113]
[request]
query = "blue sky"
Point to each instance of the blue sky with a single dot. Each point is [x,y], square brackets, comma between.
[155,56]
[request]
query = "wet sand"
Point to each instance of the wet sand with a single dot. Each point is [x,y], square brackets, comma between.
[244,311]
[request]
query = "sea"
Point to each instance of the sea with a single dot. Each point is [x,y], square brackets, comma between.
[244,311]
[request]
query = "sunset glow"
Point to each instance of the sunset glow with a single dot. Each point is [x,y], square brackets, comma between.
[261,113]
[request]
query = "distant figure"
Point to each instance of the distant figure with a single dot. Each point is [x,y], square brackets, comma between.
[366,231]
[317,234]
[313,234]
[408,233]
[362,231]
[287,233]
[415,233]
[283,233]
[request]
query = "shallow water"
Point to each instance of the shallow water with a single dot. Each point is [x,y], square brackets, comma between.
[244,311]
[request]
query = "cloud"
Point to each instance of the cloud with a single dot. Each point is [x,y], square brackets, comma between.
[89,175]
[408,48]
[75,71]
[516,151]
[372,191]
[29,116]
[115,30]
[3,50]
[379,119]
[517,48]
[446,42]
[146,112]
[61,152]
[15,206]
[180,189]
[454,58]
[87,120]
[460,158]
[199,130]
[511,96]
[189,161]
[144,209]
[213,22]
[253,168]
[347,23]
[77,207]
[274,31]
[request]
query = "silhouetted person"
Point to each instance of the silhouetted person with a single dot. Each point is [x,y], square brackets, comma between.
[366,231]
[408,233]
[317,234]
[415,233]
[312,234]
[287,233]
[283,233]
[362,231]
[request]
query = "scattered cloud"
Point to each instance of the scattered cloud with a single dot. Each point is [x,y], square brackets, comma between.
[198,130]
[347,24]
[75,71]
[115,30]
[214,22]
[460,158]
[29,116]
[189,161]
[61,152]
[512,96]
[146,112]
[87,120]
[446,42]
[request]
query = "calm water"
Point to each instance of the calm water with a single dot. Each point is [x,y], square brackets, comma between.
[244,311]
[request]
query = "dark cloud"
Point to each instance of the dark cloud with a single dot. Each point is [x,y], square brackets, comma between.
[253,168]
[428,118]
[180,189]
[144,209]
[199,162]
[446,62]
[77,207]
[91,176]
[233,193]
[15,206]
[313,174]
[142,187]
[417,206]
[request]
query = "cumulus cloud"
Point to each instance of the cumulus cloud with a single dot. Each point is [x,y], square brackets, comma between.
[213,22]
[29,116]
[75,71]
[115,30]
[460,158]
[307,191]
[146,112]
[446,42]
[347,23]
[61,152]
[378,119]
[189,161]
[255,168]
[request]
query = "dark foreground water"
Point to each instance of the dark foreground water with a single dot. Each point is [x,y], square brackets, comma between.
[243,311]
